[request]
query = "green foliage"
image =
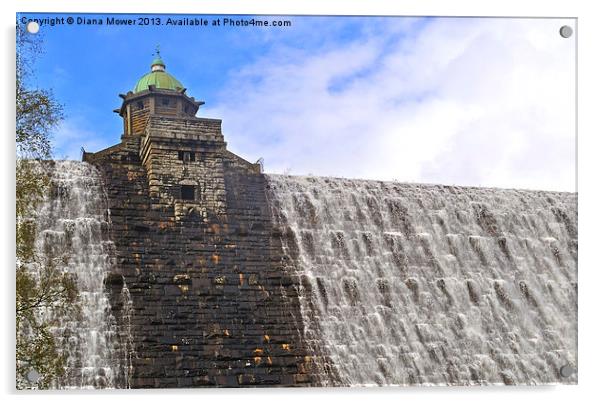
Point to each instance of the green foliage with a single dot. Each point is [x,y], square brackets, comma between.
[36,346]
[31,185]
[38,352]
[43,292]
[37,110]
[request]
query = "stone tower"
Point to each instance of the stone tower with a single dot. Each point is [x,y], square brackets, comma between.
[183,155]
[211,302]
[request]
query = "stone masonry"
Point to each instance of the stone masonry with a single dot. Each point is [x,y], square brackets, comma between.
[195,247]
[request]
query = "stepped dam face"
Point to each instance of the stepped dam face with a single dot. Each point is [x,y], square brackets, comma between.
[433,285]
[72,237]
[269,280]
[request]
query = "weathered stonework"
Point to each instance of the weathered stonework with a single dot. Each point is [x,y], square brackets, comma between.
[211,302]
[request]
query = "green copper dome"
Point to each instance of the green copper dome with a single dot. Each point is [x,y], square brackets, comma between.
[157,62]
[158,77]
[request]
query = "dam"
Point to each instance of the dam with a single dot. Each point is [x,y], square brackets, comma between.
[200,270]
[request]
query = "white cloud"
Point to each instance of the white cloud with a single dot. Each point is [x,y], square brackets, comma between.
[486,102]
[72,135]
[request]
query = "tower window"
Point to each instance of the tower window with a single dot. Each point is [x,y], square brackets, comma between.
[139,105]
[187,192]
[165,101]
[186,156]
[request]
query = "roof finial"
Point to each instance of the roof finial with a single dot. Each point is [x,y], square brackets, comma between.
[157,64]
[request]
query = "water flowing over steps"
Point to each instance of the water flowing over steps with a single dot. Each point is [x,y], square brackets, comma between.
[406,284]
[72,231]
[311,281]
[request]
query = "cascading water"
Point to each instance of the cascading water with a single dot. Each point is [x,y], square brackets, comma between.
[127,341]
[405,284]
[72,232]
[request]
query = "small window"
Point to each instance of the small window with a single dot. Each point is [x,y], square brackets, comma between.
[165,101]
[187,192]
[187,109]
[186,156]
[139,105]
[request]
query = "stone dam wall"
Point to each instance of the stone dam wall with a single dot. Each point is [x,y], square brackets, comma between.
[210,302]
[267,280]
[409,284]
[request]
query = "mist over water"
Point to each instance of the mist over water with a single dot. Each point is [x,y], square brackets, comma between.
[405,284]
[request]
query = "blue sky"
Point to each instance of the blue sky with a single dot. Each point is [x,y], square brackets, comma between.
[484,102]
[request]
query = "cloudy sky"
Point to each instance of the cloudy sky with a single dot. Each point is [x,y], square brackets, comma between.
[465,101]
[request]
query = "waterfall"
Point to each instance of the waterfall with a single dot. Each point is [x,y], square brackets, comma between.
[127,340]
[72,232]
[404,284]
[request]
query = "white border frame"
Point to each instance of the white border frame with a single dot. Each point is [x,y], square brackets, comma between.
[589,52]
